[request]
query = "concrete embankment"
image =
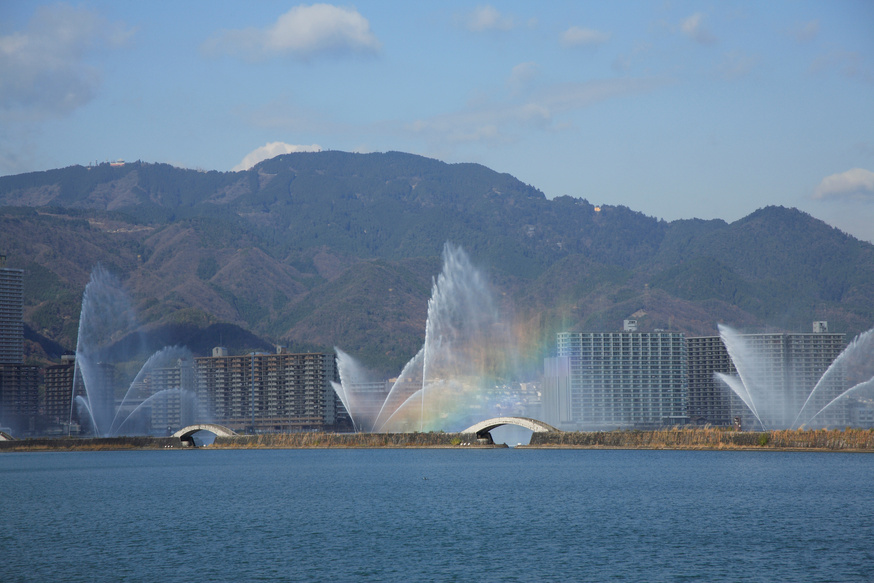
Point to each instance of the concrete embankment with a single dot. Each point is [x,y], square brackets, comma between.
[718,439]
[91,444]
[351,440]
[265,441]
[860,440]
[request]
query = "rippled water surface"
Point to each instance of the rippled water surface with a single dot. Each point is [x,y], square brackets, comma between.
[436,515]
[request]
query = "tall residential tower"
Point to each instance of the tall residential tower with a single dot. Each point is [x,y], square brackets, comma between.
[11,314]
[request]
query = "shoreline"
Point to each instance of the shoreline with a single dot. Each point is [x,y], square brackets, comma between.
[695,448]
[846,440]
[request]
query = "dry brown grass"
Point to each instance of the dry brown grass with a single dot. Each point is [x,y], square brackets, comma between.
[711,438]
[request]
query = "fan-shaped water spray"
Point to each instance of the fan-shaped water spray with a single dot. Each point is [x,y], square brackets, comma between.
[854,366]
[776,394]
[107,316]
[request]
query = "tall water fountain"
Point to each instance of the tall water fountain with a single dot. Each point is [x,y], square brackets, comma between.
[107,317]
[780,395]
[449,383]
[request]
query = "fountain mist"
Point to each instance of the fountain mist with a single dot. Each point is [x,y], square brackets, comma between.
[107,316]
[777,395]
[468,348]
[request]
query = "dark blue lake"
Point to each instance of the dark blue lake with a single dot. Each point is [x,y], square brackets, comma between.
[436,515]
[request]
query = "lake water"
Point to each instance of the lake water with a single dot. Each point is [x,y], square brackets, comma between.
[436,515]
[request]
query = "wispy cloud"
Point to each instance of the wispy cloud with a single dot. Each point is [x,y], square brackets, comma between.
[577,36]
[303,32]
[522,75]
[495,121]
[43,69]
[284,114]
[484,18]
[271,150]
[857,183]
[694,28]
[624,62]
[847,63]
[806,32]
[736,64]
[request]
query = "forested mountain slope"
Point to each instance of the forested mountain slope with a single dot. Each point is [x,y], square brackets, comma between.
[331,248]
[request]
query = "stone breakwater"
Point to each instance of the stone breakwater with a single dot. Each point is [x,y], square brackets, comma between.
[718,439]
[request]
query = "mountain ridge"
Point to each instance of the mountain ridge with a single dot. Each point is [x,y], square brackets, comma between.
[302,249]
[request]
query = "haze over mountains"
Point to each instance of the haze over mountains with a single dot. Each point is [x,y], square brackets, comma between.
[319,249]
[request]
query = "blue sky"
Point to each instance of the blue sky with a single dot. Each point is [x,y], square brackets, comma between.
[676,109]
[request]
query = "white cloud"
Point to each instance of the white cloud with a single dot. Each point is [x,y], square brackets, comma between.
[271,150]
[855,183]
[486,18]
[577,36]
[302,32]
[43,68]
[694,28]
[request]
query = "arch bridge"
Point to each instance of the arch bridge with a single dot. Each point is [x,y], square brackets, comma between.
[483,428]
[186,434]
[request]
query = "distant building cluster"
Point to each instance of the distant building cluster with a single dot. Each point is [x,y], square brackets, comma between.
[646,380]
[258,392]
[596,381]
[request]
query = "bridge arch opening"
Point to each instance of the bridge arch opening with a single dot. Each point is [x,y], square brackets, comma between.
[511,435]
[203,438]
[202,434]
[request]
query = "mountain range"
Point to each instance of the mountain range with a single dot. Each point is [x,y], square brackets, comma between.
[322,249]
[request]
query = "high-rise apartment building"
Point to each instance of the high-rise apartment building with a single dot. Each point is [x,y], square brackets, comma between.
[58,391]
[279,392]
[19,397]
[555,397]
[19,383]
[781,370]
[809,356]
[710,400]
[171,396]
[11,314]
[607,380]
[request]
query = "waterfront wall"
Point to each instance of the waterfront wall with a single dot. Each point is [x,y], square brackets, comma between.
[95,444]
[362,440]
[831,440]
[703,439]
